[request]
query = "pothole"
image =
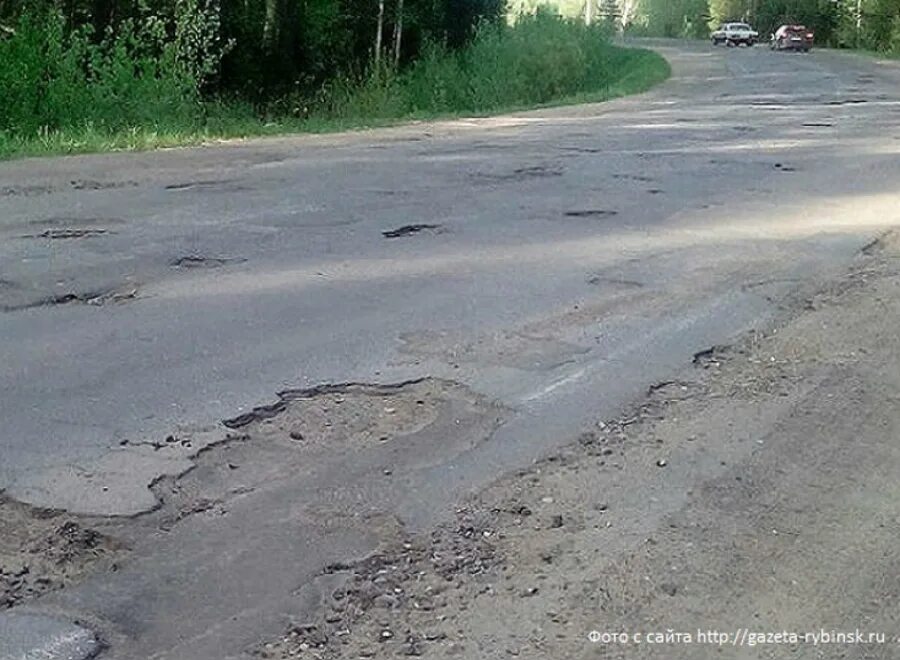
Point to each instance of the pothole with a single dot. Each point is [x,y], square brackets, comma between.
[583,150]
[364,412]
[64,233]
[43,550]
[522,174]
[634,177]
[590,213]
[367,430]
[90,184]
[77,184]
[219,185]
[600,280]
[94,298]
[200,261]
[711,357]
[409,230]
[25,191]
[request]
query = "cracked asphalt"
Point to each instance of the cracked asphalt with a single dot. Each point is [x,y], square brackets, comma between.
[521,275]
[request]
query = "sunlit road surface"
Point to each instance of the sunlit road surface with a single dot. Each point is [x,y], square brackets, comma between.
[555,262]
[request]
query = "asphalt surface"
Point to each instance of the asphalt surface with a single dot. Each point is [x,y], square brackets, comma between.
[573,257]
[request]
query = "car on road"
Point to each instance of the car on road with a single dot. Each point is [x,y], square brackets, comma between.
[792,37]
[734,34]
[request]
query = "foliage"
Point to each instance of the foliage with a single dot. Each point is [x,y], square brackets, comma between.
[541,59]
[673,18]
[53,78]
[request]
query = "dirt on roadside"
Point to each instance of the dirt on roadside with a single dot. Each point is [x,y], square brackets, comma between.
[756,492]
[42,551]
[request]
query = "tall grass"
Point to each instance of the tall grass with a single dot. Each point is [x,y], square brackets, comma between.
[68,92]
[541,59]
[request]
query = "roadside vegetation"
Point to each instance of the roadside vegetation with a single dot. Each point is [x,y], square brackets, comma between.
[180,77]
[86,75]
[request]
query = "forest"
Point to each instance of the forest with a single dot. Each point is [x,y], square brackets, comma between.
[81,75]
[865,24]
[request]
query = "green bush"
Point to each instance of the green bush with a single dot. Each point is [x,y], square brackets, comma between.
[540,59]
[137,77]
[142,85]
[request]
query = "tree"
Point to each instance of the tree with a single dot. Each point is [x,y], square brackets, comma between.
[611,13]
[729,10]
[675,18]
[379,33]
[398,32]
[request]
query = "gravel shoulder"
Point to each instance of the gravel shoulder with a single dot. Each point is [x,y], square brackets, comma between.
[756,492]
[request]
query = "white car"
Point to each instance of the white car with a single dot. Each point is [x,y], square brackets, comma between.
[735,34]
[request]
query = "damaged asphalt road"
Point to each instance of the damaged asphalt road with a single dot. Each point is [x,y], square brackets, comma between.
[553,266]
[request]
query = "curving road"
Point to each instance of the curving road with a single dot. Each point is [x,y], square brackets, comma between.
[544,268]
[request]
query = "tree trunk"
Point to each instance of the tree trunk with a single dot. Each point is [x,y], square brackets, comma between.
[629,8]
[270,27]
[588,12]
[398,32]
[378,35]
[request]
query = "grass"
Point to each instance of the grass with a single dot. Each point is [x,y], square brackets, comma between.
[541,61]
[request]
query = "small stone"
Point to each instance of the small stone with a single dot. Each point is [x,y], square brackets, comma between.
[668,589]
[386,601]
[413,648]
[556,522]
[661,463]
[296,435]
[530,591]
[386,635]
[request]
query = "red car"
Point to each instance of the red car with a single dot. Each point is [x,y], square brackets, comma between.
[792,37]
